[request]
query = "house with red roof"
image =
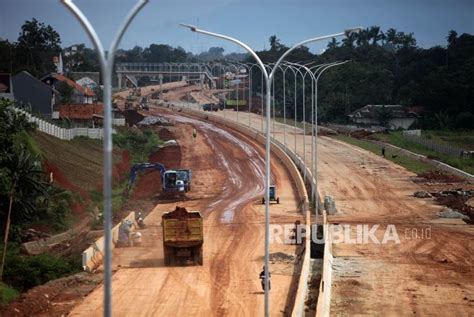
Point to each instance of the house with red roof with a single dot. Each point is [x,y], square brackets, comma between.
[80,94]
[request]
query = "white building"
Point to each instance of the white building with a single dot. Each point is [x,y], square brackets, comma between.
[370,115]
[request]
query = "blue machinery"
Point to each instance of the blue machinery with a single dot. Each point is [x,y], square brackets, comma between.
[172,181]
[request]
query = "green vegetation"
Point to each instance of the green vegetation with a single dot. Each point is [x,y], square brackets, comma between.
[140,143]
[25,195]
[461,139]
[396,138]
[24,272]
[408,163]
[385,68]
[7,294]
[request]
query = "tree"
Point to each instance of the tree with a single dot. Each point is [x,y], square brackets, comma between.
[451,38]
[22,178]
[333,44]
[275,44]
[66,92]
[384,115]
[37,44]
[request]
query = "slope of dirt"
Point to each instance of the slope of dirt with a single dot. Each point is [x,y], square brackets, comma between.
[227,187]
[80,160]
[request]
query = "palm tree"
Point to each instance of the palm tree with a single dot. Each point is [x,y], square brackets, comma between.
[333,44]
[452,37]
[349,39]
[24,183]
[375,34]
[363,37]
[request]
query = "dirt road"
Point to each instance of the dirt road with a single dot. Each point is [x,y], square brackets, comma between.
[428,273]
[227,186]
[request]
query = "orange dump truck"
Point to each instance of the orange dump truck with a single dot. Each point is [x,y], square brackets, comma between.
[183,236]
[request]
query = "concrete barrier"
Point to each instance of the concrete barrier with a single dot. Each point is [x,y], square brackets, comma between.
[324,299]
[294,165]
[93,255]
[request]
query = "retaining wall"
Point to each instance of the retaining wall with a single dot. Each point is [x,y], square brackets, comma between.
[92,256]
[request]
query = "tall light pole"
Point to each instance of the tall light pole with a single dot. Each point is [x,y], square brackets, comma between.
[106,66]
[268,79]
[315,167]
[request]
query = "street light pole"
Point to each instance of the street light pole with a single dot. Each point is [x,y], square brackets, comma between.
[268,79]
[106,65]
[316,131]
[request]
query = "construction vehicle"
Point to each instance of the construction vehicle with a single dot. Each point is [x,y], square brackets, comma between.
[210,107]
[273,196]
[183,236]
[172,181]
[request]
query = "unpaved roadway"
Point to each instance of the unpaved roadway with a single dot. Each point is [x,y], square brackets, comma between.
[227,187]
[429,273]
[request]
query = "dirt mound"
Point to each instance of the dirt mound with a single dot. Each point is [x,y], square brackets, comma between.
[165,134]
[457,203]
[441,177]
[132,117]
[121,169]
[55,298]
[360,134]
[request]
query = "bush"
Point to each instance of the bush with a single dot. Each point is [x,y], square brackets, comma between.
[7,294]
[465,120]
[140,143]
[24,272]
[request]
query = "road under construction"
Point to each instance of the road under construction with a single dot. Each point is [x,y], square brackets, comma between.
[228,172]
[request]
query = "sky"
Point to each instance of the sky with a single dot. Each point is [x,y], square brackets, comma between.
[251,21]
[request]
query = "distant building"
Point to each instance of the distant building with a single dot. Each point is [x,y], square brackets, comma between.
[6,87]
[80,95]
[369,115]
[91,115]
[32,92]
[86,79]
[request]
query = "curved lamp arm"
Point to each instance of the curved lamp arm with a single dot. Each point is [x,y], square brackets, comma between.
[106,64]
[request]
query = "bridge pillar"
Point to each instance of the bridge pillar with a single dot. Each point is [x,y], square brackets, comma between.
[201,80]
[160,78]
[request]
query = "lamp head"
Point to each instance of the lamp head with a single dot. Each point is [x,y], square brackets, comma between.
[353,30]
[191,27]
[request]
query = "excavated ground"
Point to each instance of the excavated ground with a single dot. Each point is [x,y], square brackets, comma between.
[227,186]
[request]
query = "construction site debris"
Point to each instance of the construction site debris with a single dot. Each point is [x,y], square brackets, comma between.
[449,213]
[280,257]
[440,177]
[422,194]
[155,120]
[32,235]
[330,205]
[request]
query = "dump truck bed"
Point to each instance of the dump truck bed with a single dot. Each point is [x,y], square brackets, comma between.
[183,230]
[182,235]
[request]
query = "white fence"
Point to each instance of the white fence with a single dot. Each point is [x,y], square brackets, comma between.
[63,133]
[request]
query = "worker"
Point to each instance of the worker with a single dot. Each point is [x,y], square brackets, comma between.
[194,133]
[262,279]
[383,151]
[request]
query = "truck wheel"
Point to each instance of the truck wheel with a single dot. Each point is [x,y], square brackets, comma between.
[167,256]
[278,200]
[263,201]
[200,261]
